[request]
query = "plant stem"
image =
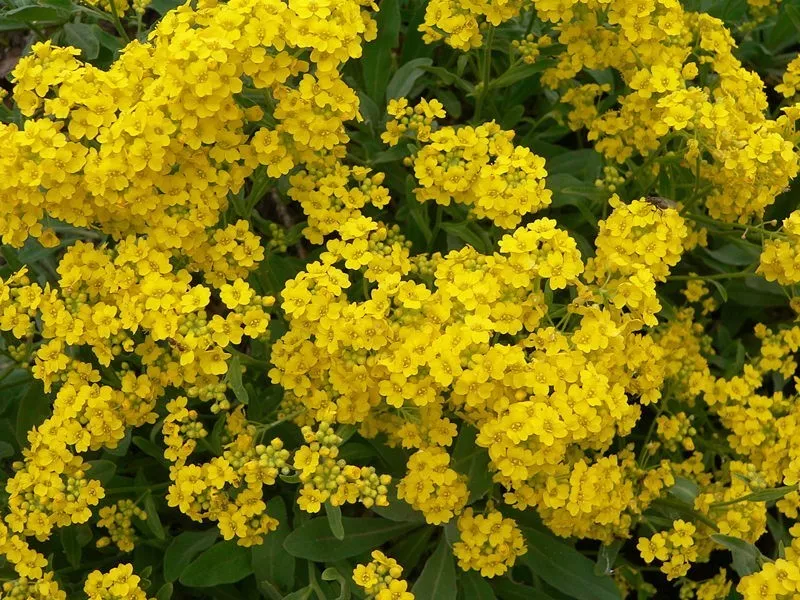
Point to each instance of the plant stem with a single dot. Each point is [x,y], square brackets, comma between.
[487,70]
[138,488]
[744,498]
[8,371]
[117,23]
[266,427]
[737,275]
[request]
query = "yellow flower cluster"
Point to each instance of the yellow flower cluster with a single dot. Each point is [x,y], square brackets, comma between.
[539,352]
[380,578]
[432,487]
[458,22]
[530,47]
[332,195]
[675,548]
[780,256]
[691,104]
[390,361]
[481,168]
[636,246]
[788,88]
[488,543]
[777,580]
[121,6]
[181,430]
[229,489]
[118,519]
[419,120]
[118,584]
[149,152]
[326,479]
[718,586]
[33,589]
[676,430]
[155,144]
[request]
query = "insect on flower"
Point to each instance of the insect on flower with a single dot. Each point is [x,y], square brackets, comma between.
[661,203]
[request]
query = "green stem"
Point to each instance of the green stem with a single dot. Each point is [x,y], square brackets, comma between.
[486,74]
[8,371]
[137,488]
[739,274]
[313,583]
[290,417]
[725,225]
[744,498]
[529,28]
[437,225]
[662,407]
[117,23]
[681,507]
[248,360]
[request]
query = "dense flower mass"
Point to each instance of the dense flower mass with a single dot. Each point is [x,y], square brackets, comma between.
[486,286]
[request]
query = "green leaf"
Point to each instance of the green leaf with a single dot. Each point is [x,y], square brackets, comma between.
[6,450]
[398,510]
[165,592]
[268,590]
[369,110]
[606,557]
[224,562]
[685,490]
[151,449]
[101,470]
[63,4]
[519,73]
[334,514]
[332,574]
[449,78]
[747,294]
[235,380]
[278,270]
[270,562]
[376,61]
[735,254]
[303,594]
[38,15]
[471,234]
[12,25]
[418,211]
[474,587]
[405,77]
[393,154]
[410,550]
[723,293]
[184,548]
[438,577]
[771,494]
[153,521]
[571,191]
[34,408]
[793,13]
[473,461]
[162,7]
[71,545]
[585,165]
[508,590]
[566,569]
[314,540]
[747,558]
[84,37]
[121,449]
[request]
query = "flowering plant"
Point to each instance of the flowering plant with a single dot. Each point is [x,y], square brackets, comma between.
[434,299]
